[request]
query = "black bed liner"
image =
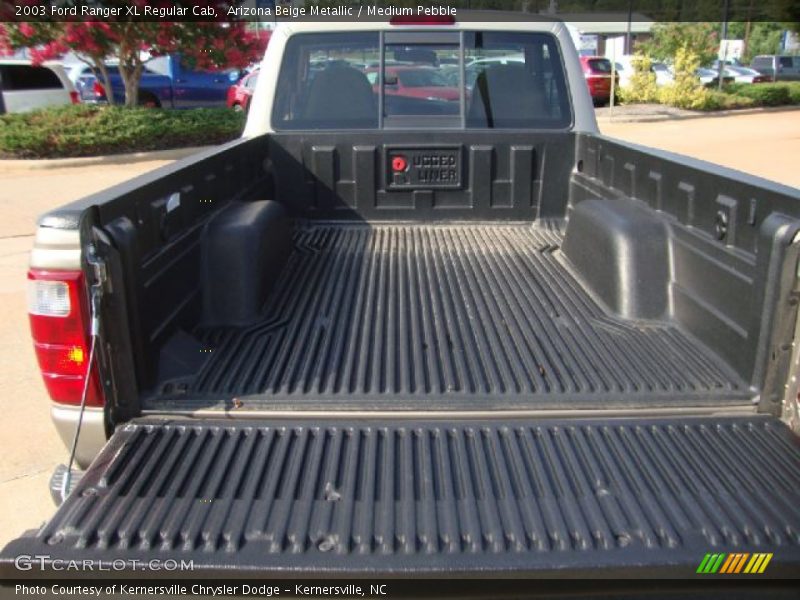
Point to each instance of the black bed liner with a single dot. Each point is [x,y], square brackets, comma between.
[625,496]
[473,313]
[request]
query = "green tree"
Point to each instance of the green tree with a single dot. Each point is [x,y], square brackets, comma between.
[764,38]
[202,44]
[700,39]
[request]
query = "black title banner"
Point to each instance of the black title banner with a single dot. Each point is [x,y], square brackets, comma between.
[787,11]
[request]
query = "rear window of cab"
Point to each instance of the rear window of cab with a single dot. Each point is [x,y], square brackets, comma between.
[374,80]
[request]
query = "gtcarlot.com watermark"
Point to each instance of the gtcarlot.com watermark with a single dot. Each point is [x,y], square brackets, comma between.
[45,562]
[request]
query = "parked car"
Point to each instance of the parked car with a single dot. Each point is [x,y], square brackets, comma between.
[491,343]
[664,75]
[730,62]
[597,72]
[745,75]
[506,59]
[241,92]
[79,70]
[167,83]
[452,73]
[710,78]
[414,81]
[76,70]
[624,68]
[87,83]
[26,87]
[777,68]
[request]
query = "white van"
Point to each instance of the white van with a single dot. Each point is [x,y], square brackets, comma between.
[25,87]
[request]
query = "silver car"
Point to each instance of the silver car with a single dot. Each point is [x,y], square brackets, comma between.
[25,87]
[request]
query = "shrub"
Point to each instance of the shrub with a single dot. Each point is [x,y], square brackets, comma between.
[726,101]
[84,130]
[764,94]
[794,91]
[642,84]
[686,91]
[735,88]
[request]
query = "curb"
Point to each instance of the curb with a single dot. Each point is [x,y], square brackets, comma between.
[686,115]
[110,159]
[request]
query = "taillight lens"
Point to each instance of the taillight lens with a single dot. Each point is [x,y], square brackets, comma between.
[74,97]
[98,90]
[59,317]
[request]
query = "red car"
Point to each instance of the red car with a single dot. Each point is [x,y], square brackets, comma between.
[241,92]
[597,71]
[415,82]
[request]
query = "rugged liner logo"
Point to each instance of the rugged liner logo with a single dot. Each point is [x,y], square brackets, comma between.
[735,563]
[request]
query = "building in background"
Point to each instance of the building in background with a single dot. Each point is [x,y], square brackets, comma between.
[607,34]
[790,42]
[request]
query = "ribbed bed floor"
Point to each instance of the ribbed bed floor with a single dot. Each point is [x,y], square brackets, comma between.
[405,312]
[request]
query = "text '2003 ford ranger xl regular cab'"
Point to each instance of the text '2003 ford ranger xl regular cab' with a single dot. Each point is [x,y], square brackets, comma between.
[425,333]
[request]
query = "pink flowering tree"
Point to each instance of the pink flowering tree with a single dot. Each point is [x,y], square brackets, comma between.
[203,45]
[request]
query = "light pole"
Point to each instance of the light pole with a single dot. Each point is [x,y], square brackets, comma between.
[628,32]
[721,61]
[613,76]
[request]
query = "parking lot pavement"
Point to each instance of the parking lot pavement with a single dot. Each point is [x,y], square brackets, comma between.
[27,193]
[766,144]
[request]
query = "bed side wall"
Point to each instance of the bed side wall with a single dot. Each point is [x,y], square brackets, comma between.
[705,246]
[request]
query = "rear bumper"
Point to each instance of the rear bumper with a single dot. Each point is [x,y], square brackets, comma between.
[599,86]
[549,498]
[93,432]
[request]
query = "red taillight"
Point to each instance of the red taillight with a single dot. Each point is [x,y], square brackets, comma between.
[98,90]
[59,317]
[74,97]
[423,20]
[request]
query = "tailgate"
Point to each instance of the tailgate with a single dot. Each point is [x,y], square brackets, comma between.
[649,496]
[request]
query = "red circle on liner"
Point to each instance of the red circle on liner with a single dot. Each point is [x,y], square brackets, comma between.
[399,163]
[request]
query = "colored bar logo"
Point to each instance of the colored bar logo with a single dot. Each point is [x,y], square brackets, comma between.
[735,563]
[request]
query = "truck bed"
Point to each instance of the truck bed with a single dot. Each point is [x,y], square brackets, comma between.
[477,315]
[290,276]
